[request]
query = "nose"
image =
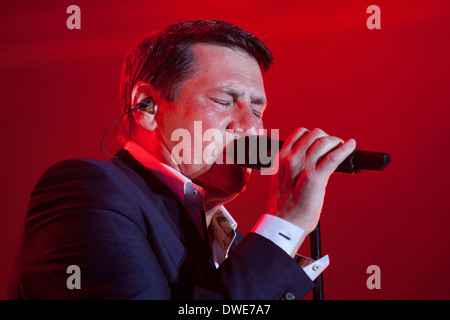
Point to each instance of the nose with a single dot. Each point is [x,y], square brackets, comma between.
[244,119]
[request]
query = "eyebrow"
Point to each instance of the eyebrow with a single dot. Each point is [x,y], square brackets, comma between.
[237,94]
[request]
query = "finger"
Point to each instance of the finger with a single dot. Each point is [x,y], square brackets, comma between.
[297,156]
[302,148]
[321,147]
[333,159]
[293,139]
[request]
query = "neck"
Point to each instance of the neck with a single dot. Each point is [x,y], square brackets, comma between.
[214,197]
[215,201]
[156,148]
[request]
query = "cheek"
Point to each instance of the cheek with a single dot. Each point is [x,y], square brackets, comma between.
[211,119]
[211,135]
[205,124]
[175,117]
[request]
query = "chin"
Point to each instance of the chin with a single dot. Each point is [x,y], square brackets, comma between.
[227,180]
[235,180]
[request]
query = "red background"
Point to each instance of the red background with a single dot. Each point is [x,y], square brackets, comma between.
[388,89]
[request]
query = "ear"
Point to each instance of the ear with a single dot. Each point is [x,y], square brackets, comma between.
[141,91]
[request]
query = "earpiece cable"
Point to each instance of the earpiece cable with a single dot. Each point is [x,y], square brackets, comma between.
[101,142]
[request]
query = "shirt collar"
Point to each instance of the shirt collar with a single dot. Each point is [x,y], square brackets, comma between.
[188,193]
[168,175]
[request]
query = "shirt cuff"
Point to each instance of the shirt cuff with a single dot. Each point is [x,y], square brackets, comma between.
[313,268]
[283,233]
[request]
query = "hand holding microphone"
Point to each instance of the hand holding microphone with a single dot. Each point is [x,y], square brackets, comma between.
[306,161]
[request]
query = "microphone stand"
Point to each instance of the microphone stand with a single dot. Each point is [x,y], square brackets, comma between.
[316,254]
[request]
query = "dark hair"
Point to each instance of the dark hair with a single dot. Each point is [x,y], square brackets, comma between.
[164,59]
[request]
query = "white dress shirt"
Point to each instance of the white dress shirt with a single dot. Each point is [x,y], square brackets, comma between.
[281,232]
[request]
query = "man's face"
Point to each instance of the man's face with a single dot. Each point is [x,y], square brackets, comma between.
[225,93]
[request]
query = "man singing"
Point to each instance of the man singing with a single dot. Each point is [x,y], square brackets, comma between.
[148,226]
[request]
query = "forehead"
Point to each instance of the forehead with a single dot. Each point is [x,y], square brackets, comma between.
[219,65]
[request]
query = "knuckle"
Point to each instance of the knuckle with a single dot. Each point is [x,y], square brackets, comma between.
[294,137]
[329,141]
[336,140]
[301,129]
[322,141]
[318,131]
[301,133]
[309,176]
[294,163]
[332,158]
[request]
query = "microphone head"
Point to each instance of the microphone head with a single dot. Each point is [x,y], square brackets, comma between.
[254,152]
[369,160]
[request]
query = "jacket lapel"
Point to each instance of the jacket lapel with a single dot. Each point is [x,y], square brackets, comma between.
[168,205]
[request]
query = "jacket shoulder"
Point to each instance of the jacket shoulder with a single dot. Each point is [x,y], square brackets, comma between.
[83,183]
[75,169]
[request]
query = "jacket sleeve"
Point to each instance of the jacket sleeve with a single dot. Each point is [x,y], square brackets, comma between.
[259,269]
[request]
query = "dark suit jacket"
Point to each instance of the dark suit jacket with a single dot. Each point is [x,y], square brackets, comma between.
[132,239]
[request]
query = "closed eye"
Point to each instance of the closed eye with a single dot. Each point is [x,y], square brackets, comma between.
[221,102]
[257,114]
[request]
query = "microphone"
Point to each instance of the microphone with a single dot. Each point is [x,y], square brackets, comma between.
[258,152]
